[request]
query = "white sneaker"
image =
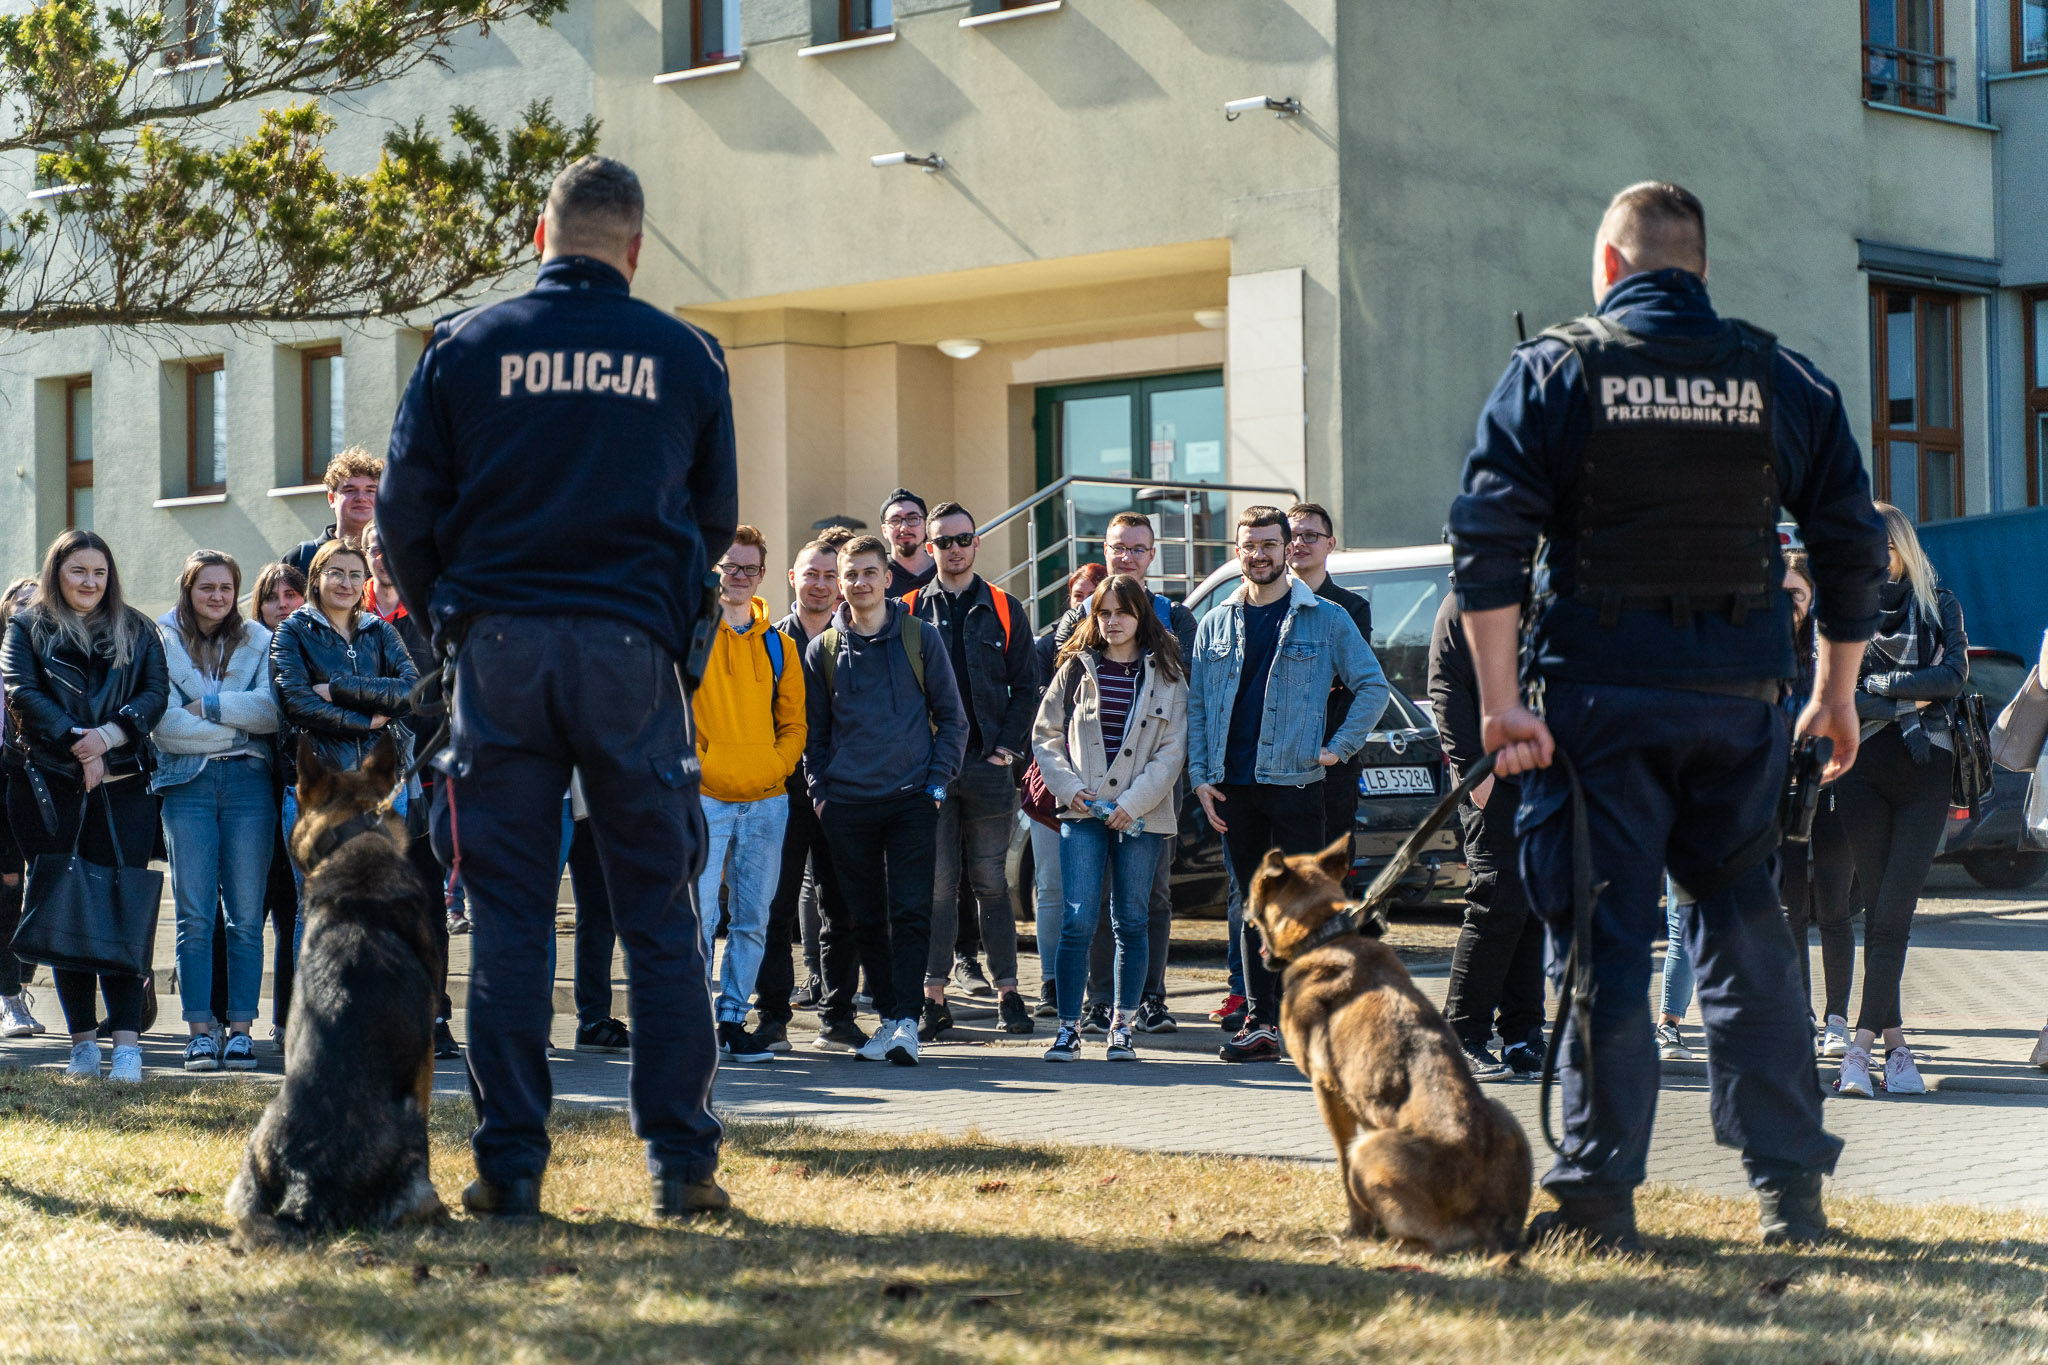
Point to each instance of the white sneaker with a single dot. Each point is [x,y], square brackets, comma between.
[1834,1039]
[85,1059]
[1855,1074]
[1901,1077]
[876,1048]
[902,1048]
[15,1020]
[1670,1047]
[127,1063]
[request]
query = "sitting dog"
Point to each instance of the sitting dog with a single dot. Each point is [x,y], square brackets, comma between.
[1425,1157]
[344,1142]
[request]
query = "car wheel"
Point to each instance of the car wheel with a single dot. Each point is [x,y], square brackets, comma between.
[2006,871]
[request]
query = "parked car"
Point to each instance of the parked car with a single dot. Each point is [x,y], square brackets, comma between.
[1992,846]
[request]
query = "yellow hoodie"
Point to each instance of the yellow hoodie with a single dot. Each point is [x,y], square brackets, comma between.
[750,725]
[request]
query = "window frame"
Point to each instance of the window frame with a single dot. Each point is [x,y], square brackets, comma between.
[847,31]
[2019,41]
[74,468]
[1938,57]
[193,370]
[1883,434]
[311,472]
[2034,397]
[202,31]
[700,54]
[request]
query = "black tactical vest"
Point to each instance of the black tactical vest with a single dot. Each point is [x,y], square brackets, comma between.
[1678,485]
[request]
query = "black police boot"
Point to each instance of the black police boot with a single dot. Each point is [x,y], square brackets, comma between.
[513,1201]
[1607,1223]
[678,1198]
[1791,1212]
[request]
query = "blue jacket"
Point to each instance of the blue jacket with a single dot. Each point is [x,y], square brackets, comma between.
[566,452]
[1318,645]
[1521,481]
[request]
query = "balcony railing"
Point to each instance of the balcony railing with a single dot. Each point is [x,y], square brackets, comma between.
[1908,79]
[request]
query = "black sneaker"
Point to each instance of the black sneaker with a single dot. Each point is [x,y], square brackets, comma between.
[773,1034]
[1607,1224]
[513,1201]
[738,1045]
[968,976]
[1525,1058]
[1485,1066]
[1066,1045]
[1152,1016]
[1791,1212]
[1253,1043]
[1047,1006]
[1233,1022]
[1095,1020]
[1015,1018]
[935,1020]
[843,1036]
[202,1053]
[444,1040]
[607,1036]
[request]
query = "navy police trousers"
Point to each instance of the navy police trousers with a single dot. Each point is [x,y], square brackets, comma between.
[1677,779]
[536,696]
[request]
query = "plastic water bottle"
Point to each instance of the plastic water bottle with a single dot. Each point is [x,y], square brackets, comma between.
[1104,809]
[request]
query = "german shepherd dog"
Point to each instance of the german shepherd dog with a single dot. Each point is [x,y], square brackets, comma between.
[1426,1158]
[344,1142]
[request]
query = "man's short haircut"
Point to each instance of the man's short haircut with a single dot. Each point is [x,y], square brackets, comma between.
[751,535]
[1313,509]
[1259,514]
[1131,519]
[1658,226]
[349,464]
[865,545]
[832,538]
[812,547]
[951,509]
[595,204]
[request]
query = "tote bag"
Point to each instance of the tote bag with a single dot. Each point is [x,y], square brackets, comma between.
[86,917]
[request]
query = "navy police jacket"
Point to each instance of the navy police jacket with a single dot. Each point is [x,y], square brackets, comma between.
[1520,483]
[566,452]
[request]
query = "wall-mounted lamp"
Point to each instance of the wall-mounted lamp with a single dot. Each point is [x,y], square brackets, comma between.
[1282,108]
[1215,319]
[931,163]
[960,348]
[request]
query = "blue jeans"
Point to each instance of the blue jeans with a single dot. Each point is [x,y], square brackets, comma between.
[1045,876]
[1677,966]
[752,831]
[1088,853]
[217,828]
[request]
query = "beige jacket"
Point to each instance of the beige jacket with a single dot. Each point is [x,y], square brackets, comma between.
[1069,746]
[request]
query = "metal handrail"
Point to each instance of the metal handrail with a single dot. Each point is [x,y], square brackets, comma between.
[1156,490]
[1913,78]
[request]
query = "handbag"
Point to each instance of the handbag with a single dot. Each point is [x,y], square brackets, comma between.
[1970,780]
[2022,727]
[85,917]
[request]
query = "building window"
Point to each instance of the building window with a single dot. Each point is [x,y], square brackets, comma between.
[1902,61]
[78,453]
[2036,305]
[322,395]
[202,31]
[714,31]
[862,18]
[2029,34]
[1917,427]
[206,427]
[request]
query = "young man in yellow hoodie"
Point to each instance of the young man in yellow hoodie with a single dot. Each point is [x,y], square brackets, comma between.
[750,738]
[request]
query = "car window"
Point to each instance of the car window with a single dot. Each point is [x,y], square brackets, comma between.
[1998,677]
[1404,607]
[1214,598]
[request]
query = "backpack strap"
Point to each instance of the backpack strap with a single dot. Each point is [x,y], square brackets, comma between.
[828,658]
[1162,606]
[912,637]
[773,643]
[1001,600]
[910,598]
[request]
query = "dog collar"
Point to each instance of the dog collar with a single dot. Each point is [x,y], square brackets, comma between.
[1336,926]
[348,829]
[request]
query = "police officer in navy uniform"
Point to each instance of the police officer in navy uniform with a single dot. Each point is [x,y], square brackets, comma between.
[560,474]
[1649,447]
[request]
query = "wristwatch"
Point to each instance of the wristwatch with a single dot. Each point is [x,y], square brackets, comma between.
[936,793]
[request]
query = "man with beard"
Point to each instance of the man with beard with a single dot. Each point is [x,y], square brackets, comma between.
[903,521]
[1264,663]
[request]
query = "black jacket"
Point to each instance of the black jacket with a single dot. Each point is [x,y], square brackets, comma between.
[53,688]
[1360,612]
[1454,695]
[301,557]
[1000,688]
[369,677]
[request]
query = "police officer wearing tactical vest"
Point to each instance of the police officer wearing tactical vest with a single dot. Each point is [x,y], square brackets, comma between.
[1648,448]
[561,472]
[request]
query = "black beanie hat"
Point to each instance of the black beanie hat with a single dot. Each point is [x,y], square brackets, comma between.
[902,495]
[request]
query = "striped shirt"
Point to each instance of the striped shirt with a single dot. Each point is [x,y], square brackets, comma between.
[1118,684]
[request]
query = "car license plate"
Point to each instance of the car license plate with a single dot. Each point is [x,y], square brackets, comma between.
[1395,782]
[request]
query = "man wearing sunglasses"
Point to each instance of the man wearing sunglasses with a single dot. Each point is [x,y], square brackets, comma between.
[903,522]
[988,640]
[1310,538]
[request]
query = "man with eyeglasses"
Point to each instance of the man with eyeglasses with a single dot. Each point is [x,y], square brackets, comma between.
[910,564]
[750,739]
[996,670]
[1311,535]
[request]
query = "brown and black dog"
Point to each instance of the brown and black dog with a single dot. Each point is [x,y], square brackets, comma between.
[1426,1158]
[344,1142]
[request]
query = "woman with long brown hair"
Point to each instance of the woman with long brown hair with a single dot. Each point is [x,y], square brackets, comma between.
[1111,740]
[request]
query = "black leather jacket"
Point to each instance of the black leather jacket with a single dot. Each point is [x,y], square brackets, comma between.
[54,688]
[369,676]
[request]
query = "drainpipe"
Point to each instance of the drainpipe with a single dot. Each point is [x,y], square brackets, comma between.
[1994,362]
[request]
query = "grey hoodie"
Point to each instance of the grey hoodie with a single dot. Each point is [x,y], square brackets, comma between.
[872,735]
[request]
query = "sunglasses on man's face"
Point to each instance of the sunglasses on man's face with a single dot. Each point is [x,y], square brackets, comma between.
[960,542]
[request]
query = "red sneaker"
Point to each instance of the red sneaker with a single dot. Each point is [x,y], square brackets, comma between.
[1232,1004]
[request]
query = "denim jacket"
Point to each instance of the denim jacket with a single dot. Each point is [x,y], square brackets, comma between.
[1318,645]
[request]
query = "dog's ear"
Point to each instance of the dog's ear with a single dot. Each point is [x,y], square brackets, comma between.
[1335,860]
[382,764]
[314,775]
[1274,864]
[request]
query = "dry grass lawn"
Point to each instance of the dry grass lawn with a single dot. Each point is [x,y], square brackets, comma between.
[857,1248]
